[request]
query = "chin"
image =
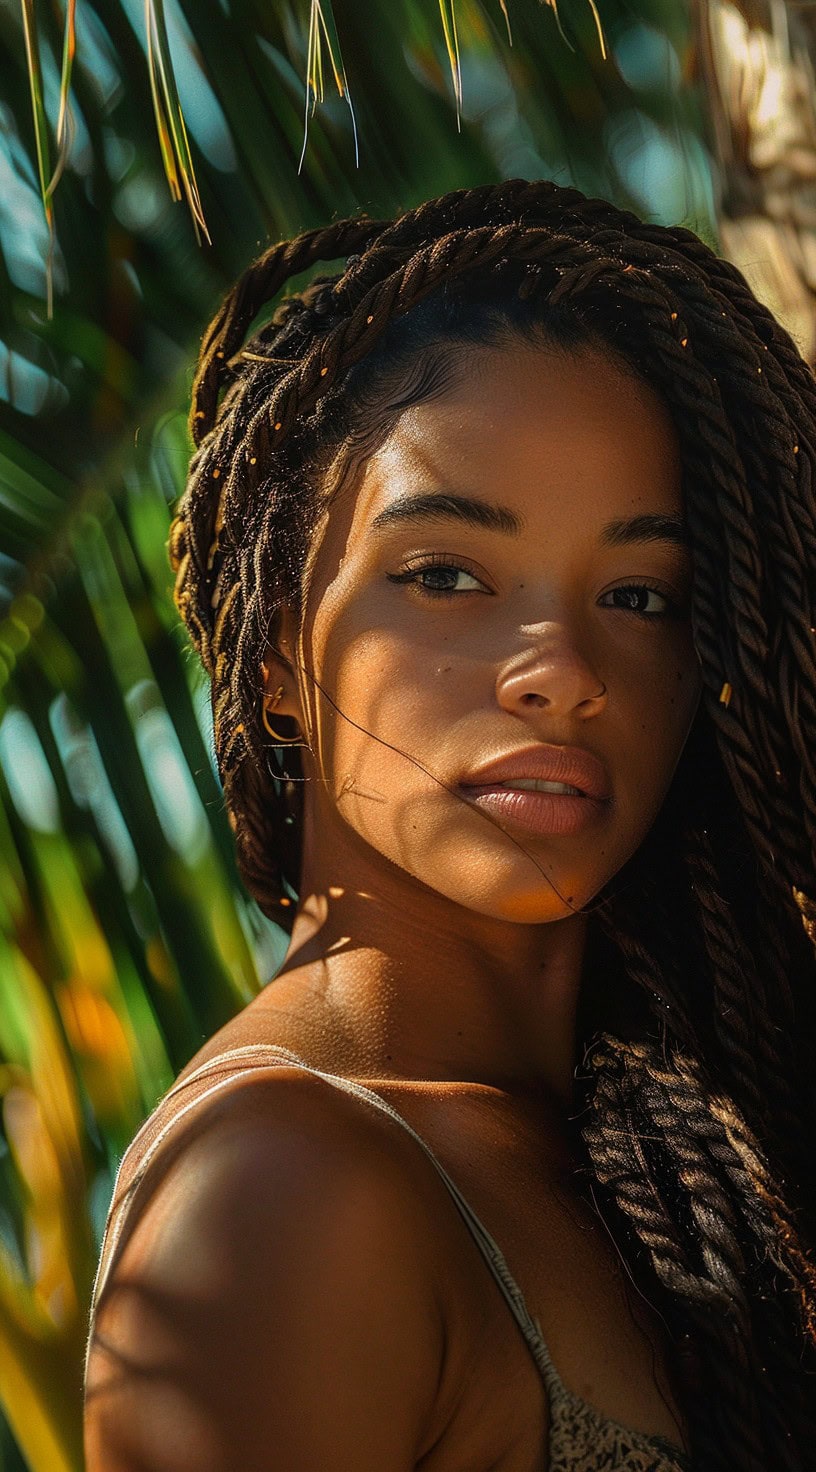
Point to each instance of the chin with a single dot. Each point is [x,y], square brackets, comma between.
[523,904]
[537,910]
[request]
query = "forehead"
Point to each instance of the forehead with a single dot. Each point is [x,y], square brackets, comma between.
[543,430]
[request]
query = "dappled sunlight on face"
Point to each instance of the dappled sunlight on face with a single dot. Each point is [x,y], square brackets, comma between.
[440,643]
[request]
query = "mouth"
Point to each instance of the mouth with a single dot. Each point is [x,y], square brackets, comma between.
[546,768]
[536,784]
[537,806]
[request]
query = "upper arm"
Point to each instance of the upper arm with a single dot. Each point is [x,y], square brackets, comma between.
[275,1304]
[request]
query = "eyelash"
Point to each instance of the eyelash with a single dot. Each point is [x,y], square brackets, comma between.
[412,575]
[435,560]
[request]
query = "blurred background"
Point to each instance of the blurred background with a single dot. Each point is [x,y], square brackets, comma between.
[148,149]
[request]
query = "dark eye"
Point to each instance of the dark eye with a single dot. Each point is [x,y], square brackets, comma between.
[445,579]
[636,596]
[439,579]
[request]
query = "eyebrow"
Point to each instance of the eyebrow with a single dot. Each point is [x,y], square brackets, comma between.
[447,506]
[650,526]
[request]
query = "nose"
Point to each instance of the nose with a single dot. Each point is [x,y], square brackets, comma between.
[552,676]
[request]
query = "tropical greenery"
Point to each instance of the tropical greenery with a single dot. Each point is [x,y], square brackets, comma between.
[146,152]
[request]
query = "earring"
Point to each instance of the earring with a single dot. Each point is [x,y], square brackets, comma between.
[278,739]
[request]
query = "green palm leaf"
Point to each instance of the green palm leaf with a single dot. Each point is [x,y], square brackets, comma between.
[49,179]
[447,9]
[173,140]
[322,28]
[40,131]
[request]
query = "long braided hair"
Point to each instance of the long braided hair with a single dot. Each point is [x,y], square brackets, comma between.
[697,1051]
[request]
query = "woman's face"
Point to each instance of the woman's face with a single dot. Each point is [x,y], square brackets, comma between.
[441,642]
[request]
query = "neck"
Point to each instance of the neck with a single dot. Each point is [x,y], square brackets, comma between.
[420,988]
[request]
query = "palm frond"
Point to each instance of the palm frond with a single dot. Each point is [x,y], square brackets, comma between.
[63,118]
[447,9]
[599,28]
[49,178]
[41,136]
[170,124]
[553,6]
[321,20]
[173,140]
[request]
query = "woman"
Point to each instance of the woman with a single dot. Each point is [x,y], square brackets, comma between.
[498,550]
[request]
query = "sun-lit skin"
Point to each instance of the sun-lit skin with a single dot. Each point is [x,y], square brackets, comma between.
[442,946]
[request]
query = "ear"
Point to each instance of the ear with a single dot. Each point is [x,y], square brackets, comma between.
[278,669]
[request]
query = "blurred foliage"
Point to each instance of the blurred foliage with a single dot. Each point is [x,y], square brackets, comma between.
[126,937]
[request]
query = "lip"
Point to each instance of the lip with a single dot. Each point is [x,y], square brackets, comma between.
[536,812]
[570,764]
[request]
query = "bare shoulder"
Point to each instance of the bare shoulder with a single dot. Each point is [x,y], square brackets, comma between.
[278,1289]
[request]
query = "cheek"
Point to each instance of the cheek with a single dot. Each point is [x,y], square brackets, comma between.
[391,750]
[653,730]
[386,686]
[675,697]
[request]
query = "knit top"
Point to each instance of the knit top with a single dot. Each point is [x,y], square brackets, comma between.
[581,1439]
